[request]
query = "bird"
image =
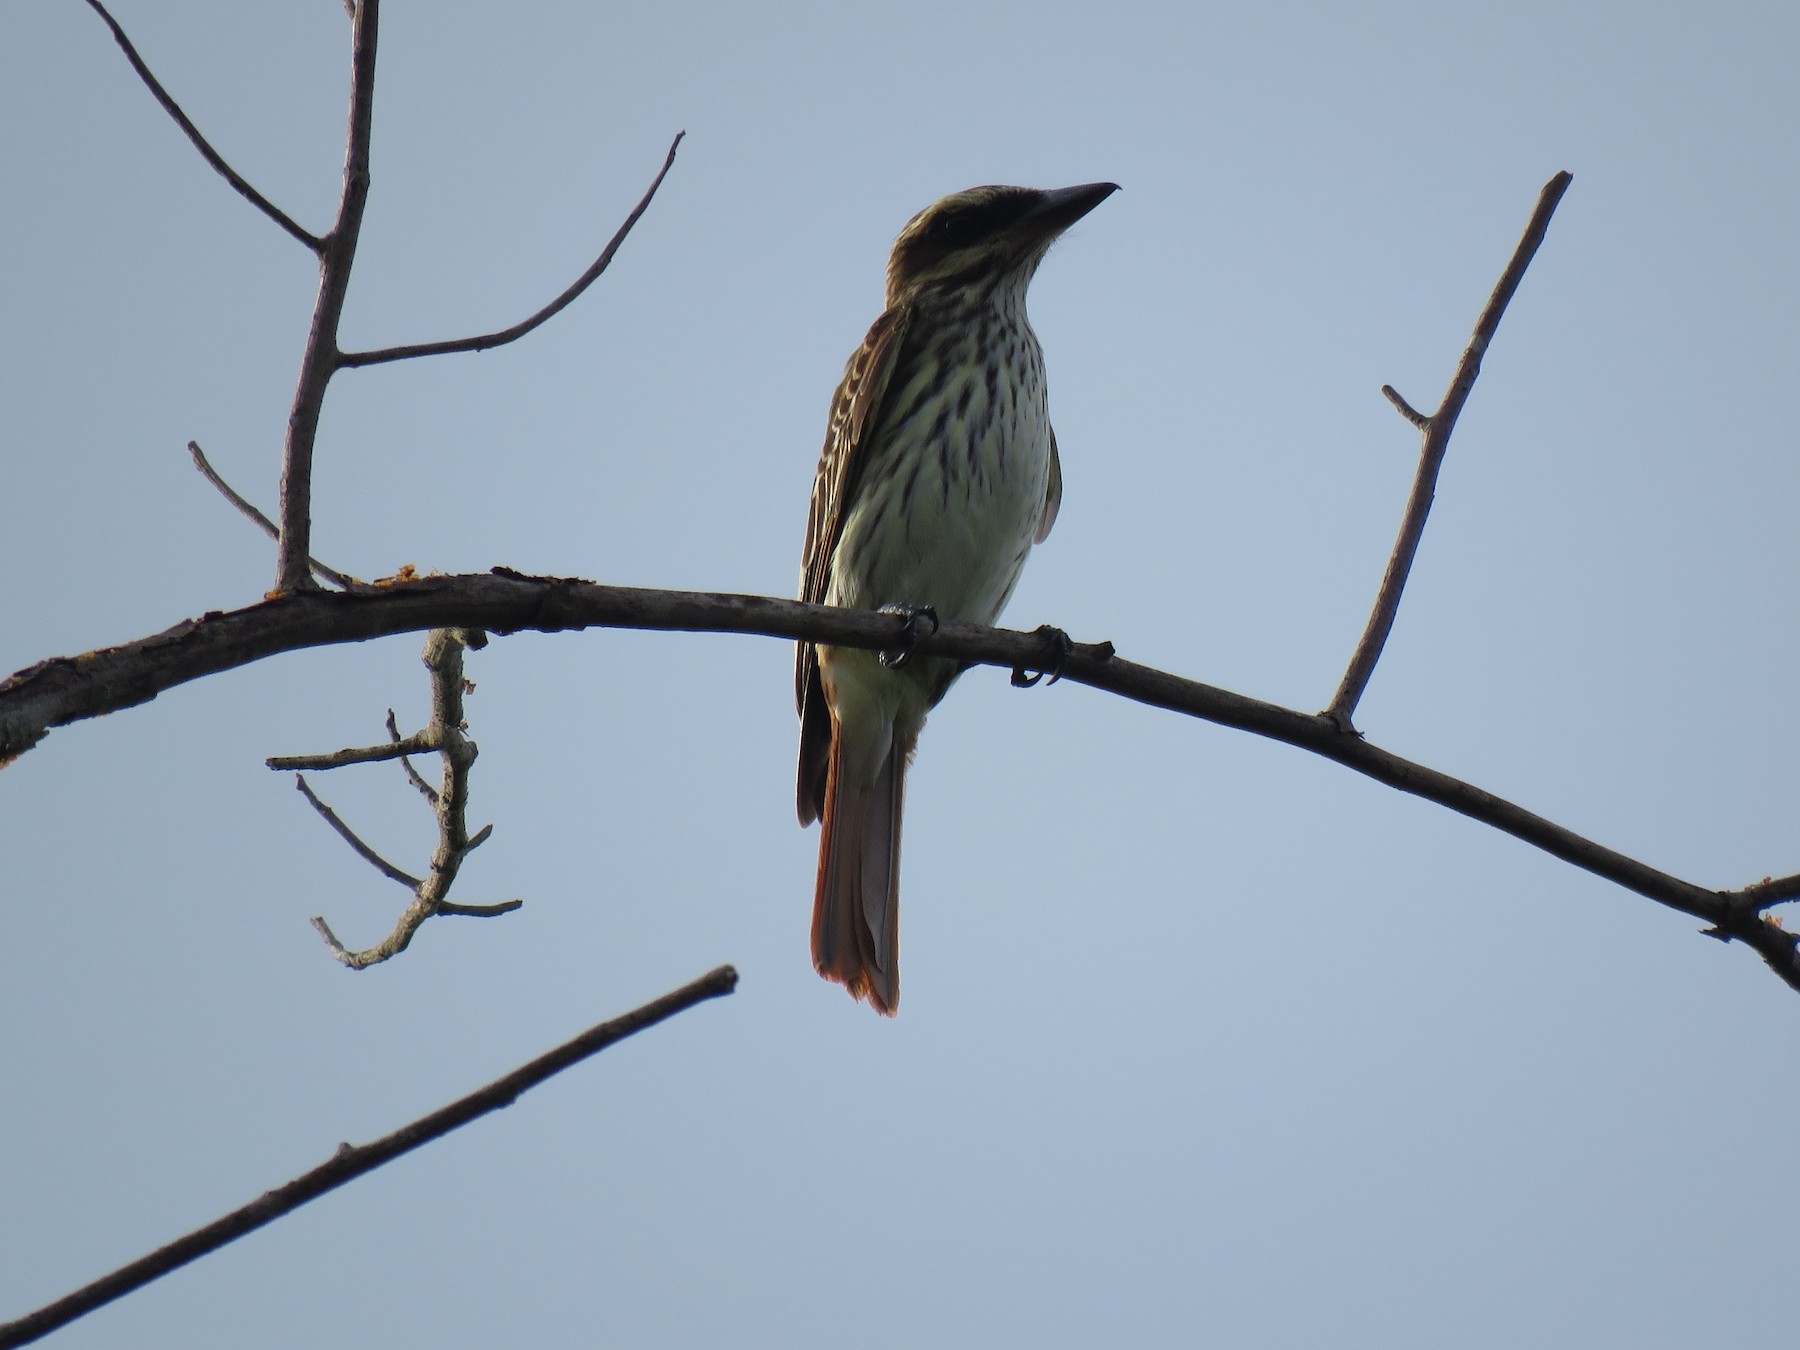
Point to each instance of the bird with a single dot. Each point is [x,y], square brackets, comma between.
[940,471]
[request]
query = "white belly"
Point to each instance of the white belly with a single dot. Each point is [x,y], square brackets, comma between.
[948,505]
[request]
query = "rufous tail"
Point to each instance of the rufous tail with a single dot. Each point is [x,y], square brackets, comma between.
[856,908]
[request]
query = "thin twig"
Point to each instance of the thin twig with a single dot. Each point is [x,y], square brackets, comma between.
[1436,429]
[211,156]
[413,745]
[319,359]
[212,475]
[338,949]
[68,689]
[1405,409]
[479,911]
[351,1162]
[412,774]
[362,850]
[556,306]
[268,527]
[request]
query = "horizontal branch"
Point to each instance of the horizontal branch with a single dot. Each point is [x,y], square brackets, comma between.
[350,1162]
[479,911]
[418,744]
[67,689]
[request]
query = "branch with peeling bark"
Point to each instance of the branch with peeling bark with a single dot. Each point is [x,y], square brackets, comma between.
[68,689]
[445,735]
[59,691]
[353,1161]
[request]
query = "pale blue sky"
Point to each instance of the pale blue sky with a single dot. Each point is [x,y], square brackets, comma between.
[1205,1041]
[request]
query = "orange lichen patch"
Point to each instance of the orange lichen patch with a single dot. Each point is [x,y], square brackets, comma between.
[406,573]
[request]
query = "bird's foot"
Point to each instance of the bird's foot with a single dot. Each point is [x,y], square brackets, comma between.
[1062,649]
[919,623]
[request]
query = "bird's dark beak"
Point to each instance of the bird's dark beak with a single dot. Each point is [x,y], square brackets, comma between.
[1062,207]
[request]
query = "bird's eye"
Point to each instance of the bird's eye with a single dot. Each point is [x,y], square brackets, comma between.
[958,228]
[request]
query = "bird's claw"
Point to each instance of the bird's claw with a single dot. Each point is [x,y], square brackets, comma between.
[1064,649]
[918,623]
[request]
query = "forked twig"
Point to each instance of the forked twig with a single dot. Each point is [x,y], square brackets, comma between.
[336,251]
[1436,430]
[431,894]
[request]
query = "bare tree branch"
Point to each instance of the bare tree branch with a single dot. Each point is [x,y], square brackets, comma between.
[322,357]
[337,255]
[556,306]
[349,836]
[412,775]
[1437,429]
[417,744]
[431,894]
[67,689]
[256,517]
[479,911]
[337,949]
[200,143]
[1769,892]
[351,1162]
[210,155]
[1405,409]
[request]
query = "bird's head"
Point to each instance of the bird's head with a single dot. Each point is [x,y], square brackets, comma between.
[984,236]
